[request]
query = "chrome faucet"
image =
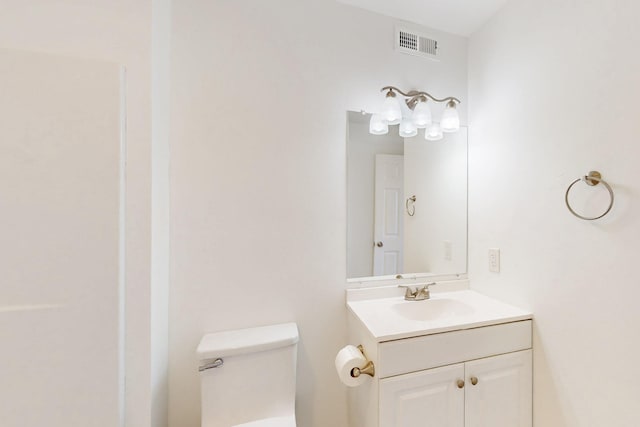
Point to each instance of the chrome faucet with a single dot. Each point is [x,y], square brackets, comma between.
[420,293]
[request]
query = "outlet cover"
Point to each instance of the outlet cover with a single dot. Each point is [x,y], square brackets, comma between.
[494,260]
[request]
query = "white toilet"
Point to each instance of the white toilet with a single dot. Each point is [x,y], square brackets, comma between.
[248,377]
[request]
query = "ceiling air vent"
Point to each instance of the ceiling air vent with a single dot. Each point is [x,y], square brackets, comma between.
[414,43]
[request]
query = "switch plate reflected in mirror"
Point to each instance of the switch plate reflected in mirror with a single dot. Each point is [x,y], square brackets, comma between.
[406,204]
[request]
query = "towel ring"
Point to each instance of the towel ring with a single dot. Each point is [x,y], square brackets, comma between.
[594,178]
[411,209]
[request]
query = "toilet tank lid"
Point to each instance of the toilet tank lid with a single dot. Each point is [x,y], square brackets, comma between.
[242,341]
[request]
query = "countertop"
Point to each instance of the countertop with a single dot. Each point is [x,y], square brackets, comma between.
[394,318]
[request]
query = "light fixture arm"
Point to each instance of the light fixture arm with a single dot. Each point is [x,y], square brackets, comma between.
[419,116]
[415,96]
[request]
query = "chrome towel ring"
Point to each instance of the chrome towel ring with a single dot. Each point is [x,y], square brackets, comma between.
[594,178]
[410,205]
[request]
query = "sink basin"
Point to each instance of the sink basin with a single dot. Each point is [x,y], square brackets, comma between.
[432,309]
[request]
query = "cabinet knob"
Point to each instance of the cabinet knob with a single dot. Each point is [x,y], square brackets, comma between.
[474,380]
[460,384]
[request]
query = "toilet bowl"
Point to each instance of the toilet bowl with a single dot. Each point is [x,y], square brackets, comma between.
[248,377]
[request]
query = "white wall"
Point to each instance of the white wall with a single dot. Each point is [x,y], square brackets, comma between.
[258,214]
[117,31]
[60,299]
[554,90]
[160,245]
[362,148]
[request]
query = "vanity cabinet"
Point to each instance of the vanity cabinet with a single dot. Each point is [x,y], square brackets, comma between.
[458,359]
[478,377]
[490,392]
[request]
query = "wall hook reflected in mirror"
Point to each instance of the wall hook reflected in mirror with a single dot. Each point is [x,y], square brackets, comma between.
[410,205]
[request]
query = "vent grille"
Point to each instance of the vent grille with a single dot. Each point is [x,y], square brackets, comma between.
[428,46]
[408,40]
[413,43]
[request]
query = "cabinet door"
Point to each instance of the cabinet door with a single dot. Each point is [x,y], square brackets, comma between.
[502,395]
[429,398]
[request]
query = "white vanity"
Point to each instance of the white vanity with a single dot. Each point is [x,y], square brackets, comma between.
[458,359]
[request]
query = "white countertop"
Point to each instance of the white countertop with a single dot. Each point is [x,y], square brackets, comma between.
[394,318]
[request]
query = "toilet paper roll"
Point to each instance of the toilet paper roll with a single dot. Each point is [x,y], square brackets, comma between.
[347,359]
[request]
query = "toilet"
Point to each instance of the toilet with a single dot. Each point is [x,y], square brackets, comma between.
[248,377]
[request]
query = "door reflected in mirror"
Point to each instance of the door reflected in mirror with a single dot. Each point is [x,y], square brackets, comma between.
[406,203]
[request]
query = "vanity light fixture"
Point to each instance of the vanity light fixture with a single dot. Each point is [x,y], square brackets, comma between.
[378,125]
[391,110]
[408,128]
[433,132]
[450,119]
[420,115]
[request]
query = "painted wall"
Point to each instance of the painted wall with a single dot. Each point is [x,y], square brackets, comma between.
[60,299]
[553,94]
[258,198]
[160,245]
[362,148]
[117,31]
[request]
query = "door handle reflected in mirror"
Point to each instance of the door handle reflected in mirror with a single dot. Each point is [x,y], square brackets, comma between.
[379,244]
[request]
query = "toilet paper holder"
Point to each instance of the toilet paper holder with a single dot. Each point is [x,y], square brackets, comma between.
[368,369]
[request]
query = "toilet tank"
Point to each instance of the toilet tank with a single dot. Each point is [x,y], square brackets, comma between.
[254,378]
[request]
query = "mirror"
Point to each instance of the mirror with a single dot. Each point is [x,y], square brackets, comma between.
[406,203]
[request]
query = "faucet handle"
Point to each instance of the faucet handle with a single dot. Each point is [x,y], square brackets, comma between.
[409,292]
[417,292]
[425,286]
[422,292]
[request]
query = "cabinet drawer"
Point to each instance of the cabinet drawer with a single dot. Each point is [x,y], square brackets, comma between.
[430,351]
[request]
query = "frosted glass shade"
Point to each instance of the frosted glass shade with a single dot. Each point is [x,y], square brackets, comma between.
[408,129]
[422,115]
[378,125]
[450,119]
[391,111]
[433,132]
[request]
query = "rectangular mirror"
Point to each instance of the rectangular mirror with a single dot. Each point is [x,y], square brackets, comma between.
[406,204]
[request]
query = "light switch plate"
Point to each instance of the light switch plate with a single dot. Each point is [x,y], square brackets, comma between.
[494,260]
